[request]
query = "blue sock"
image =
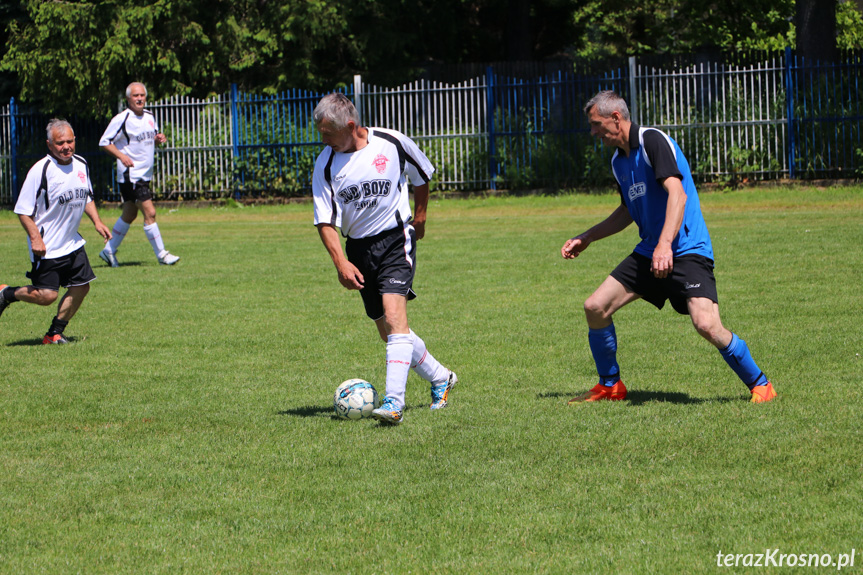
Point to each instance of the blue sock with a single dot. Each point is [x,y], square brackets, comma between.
[603,346]
[737,356]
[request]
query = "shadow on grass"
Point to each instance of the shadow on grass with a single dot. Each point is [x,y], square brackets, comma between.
[34,342]
[124,264]
[309,411]
[327,411]
[642,397]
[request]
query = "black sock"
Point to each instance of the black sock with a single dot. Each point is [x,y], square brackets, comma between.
[57,326]
[9,294]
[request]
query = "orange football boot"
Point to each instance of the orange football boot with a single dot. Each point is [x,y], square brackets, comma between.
[763,393]
[3,303]
[601,392]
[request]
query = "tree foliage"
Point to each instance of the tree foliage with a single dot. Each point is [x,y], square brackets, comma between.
[849,26]
[72,55]
[633,27]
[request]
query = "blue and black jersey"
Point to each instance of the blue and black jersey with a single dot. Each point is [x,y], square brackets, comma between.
[653,157]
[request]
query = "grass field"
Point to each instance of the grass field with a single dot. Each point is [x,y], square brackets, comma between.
[188,428]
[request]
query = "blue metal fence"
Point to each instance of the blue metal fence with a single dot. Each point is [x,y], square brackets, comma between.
[22,143]
[825,110]
[742,116]
[539,135]
[275,142]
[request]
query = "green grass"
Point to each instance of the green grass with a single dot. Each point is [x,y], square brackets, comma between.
[189,429]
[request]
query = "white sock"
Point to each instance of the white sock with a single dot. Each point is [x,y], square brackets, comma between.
[118,233]
[399,349]
[155,238]
[425,365]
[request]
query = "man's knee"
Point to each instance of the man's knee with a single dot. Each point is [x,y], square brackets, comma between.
[149,210]
[705,327]
[596,308]
[709,326]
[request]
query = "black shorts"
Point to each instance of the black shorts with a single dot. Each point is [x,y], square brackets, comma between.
[691,276]
[136,192]
[388,262]
[68,271]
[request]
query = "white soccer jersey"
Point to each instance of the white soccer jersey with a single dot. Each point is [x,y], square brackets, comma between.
[366,192]
[135,136]
[55,196]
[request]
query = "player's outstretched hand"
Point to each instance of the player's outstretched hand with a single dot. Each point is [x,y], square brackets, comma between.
[350,276]
[573,247]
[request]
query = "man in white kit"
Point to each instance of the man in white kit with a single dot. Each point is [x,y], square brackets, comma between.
[360,185]
[55,195]
[130,138]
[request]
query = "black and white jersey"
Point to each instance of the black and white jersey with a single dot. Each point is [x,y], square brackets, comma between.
[366,192]
[55,196]
[135,136]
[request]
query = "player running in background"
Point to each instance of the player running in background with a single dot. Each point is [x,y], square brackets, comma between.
[55,194]
[673,261]
[360,185]
[130,138]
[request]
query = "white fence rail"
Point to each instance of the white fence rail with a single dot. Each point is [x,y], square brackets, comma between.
[198,156]
[727,119]
[449,122]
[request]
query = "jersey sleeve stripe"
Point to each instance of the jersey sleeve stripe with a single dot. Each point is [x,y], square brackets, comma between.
[403,155]
[122,128]
[328,176]
[43,187]
[398,146]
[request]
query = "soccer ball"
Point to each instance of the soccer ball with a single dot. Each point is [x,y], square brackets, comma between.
[355,399]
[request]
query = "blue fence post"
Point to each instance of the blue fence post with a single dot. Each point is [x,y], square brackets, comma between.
[13,149]
[235,133]
[789,102]
[492,150]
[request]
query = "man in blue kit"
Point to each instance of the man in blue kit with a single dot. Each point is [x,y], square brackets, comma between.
[673,261]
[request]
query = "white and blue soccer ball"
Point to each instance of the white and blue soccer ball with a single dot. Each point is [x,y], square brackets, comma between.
[355,399]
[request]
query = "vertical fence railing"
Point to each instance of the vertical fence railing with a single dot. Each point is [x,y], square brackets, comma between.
[729,118]
[22,142]
[447,121]
[539,133]
[276,141]
[746,116]
[196,160]
[8,146]
[825,100]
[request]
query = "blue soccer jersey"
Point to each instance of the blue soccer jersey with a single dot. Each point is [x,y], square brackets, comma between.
[655,158]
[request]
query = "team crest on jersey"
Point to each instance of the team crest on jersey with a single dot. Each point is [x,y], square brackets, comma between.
[151,123]
[380,163]
[82,176]
[637,190]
